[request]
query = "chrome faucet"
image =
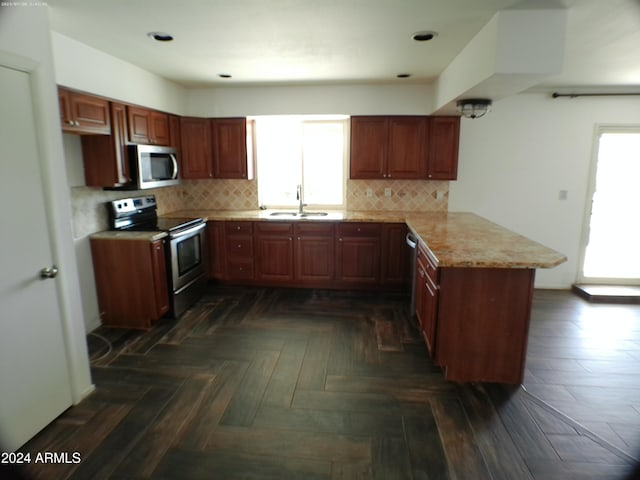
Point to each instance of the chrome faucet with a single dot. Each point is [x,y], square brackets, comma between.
[301,205]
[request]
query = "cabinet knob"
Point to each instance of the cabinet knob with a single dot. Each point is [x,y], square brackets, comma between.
[237,228]
[71,122]
[340,239]
[290,239]
[429,175]
[239,245]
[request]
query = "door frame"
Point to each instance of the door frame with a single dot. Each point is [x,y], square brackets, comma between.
[599,129]
[48,132]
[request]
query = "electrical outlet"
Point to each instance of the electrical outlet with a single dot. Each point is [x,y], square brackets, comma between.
[368,192]
[439,195]
[387,192]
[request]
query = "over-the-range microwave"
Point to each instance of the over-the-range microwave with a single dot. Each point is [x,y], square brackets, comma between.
[151,166]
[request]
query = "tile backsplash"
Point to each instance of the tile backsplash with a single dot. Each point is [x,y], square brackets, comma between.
[90,214]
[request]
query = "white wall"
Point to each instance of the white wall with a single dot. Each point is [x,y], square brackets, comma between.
[514,161]
[82,67]
[298,100]
[24,31]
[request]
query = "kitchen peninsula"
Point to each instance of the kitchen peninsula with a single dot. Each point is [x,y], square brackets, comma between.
[473,278]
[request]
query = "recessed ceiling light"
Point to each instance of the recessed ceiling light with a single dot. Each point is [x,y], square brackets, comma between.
[224,75]
[160,36]
[424,36]
[403,75]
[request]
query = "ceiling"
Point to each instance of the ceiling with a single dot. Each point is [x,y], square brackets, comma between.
[276,42]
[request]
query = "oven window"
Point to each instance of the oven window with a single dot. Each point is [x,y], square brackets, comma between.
[189,255]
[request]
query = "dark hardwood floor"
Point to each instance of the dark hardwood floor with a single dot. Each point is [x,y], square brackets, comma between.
[284,384]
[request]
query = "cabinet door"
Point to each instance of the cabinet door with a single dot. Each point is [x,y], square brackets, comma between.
[315,253]
[274,252]
[396,256]
[159,268]
[160,133]
[174,133]
[139,125]
[442,163]
[358,254]
[229,137]
[368,147]
[105,156]
[407,142]
[216,253]
[195,139]
[80,113]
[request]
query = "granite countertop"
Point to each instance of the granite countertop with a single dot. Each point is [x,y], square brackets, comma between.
[461,239]
[124,235]
[456,239]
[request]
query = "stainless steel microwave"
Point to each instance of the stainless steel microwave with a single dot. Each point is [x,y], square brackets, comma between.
[152,166]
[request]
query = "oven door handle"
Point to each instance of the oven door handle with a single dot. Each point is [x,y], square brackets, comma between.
[189,231]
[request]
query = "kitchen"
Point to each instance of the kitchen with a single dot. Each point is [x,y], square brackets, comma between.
[498,180]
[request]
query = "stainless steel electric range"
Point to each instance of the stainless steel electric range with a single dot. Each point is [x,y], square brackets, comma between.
[185,248]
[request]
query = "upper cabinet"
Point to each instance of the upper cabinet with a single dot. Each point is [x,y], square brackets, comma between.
[148,126]
[230,159]
[195,140]
[83,114]
[216,148]
[444,134]
[404,147]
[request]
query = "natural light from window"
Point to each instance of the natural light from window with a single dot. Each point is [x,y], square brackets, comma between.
[614,232]
[301,150]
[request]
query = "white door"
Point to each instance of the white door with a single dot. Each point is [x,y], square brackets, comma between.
[610,253]
[34,379]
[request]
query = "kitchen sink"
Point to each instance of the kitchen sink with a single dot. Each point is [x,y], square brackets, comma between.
[298,214]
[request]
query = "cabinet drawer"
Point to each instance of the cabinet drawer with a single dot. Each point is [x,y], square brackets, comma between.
[359,229]
[283,228]
[245,228]
[240,269]
[314,229]
[428,264]
[239,246]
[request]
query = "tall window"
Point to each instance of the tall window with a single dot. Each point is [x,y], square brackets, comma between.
[296,150]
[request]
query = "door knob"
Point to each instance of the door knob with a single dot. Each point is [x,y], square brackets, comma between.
[49,272]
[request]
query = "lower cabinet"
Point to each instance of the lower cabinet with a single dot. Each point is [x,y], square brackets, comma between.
[358,254]
[314,254]
[274,252]
[309,254]
[131,281]
[474,321]
[238,251]
[427,298]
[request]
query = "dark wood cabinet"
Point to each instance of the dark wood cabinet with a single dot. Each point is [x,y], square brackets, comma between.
[314,254]
[83,114]
[368,157]
[404,147]
[426,297]
[238,249]
[105,156]
[216,250]
[229,139]
[358,254]
[195,144]
[444,136]
[396,256]
[388,147]
[148,126]
[274,252]
[131,281]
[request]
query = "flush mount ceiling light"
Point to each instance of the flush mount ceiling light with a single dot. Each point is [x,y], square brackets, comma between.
[424,36]
[473,107]
[160,36]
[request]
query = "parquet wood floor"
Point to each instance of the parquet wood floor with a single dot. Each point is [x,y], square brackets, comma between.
[282,384]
